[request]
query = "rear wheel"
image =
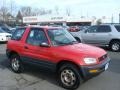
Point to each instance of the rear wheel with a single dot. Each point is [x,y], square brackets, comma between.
[115,46]
[16,64]
[69,76]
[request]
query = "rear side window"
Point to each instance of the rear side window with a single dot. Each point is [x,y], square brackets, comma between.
[117,27]
[103,29]
[92,29]
[17,35]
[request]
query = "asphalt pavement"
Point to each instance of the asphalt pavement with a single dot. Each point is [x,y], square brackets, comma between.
[36,79]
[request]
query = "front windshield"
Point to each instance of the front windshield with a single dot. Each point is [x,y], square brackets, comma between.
[60,37]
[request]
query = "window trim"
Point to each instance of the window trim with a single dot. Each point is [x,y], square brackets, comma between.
[41,29]
[104,26]
[97,27]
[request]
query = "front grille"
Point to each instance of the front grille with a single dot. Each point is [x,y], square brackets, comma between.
[103,58]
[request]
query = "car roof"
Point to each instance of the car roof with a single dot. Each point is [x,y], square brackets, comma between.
[109,24]
[38,26]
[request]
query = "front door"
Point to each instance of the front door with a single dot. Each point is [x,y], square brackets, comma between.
[103,35]
[33,52]
[88,36]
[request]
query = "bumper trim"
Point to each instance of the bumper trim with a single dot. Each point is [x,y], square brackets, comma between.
[97,69]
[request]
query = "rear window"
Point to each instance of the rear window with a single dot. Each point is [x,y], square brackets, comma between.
[17,35]
[117,27]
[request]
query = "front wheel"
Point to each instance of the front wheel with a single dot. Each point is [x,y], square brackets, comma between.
[115,46]
[16,64]
[69,76]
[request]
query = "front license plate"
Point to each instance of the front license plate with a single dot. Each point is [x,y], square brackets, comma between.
[106,66]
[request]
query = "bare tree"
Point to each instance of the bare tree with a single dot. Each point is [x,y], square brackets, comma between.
[57,10]
[99,21]
[26,11]
[41,11]
[12,7]
[68,11]
[29,11]
[3,13]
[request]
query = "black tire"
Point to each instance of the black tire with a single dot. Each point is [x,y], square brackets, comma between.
[115,46]
[16,64]
[72,69]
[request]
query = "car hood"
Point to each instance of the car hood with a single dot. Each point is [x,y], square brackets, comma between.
[82,49]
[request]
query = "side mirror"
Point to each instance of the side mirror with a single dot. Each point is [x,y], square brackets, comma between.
[44,44]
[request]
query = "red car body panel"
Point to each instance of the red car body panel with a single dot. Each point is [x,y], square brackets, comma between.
[74,53]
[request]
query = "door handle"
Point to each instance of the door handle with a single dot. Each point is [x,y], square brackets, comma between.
[26,47]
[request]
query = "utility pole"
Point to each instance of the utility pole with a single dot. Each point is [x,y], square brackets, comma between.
[119,18]
[11,7]
[112,19]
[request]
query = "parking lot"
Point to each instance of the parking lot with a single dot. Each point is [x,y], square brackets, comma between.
[35,79]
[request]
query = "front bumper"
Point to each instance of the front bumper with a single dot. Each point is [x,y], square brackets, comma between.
[90,71]
[4,39]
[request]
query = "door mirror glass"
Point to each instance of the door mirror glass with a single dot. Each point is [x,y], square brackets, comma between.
[44,44]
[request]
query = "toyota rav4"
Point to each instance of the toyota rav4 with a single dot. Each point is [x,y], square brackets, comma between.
[55,49]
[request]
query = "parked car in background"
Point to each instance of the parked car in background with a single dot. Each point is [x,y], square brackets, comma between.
[5,29]
[12,30]
[4,36]
[75,32]
[101,35]
[55,49]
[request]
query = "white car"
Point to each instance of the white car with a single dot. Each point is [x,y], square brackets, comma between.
[4,36]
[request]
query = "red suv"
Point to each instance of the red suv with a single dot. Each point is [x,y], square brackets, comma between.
[56,49]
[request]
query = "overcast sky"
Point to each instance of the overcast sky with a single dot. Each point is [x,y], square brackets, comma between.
[87,8]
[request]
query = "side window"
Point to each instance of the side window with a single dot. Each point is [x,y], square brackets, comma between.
[117,27]
[17,35]
[92,29]
[36,36]
[103,29]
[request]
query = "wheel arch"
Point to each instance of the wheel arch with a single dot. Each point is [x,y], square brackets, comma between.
[116,39]
[11,53]
[62,62]
[78,39]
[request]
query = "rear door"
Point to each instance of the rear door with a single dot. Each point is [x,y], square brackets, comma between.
[102,35]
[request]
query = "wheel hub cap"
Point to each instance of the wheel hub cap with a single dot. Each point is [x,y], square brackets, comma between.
[15,64]
[115,46]
[68,77]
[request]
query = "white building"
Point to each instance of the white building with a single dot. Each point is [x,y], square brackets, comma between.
[60,20]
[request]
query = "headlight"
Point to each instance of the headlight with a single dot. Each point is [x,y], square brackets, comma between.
[90,60]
